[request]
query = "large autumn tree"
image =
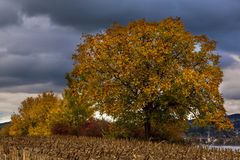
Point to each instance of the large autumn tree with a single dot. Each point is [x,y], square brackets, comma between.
[154,69]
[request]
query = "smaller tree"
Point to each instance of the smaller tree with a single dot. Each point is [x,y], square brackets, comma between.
[4,131]
[47,114]
[70,115]
[33,116]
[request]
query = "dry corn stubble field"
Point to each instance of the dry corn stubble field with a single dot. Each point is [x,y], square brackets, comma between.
[86,148]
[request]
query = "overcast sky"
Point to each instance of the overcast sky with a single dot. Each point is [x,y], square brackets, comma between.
[38,37]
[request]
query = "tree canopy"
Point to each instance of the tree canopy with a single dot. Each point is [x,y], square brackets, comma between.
[34,115]
[48,114]
[154,69]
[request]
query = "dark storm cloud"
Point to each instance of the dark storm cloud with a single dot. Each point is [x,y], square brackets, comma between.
[83,15]
[226,60]
[228,40]
[37,35]
[220,19]
[9,13]
[33,69]
[25,71]
[205,15]
[35,56]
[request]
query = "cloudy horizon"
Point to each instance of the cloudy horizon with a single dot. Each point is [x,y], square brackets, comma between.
[38,38]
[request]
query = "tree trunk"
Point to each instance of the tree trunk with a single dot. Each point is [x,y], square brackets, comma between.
[147,128]
[147,124]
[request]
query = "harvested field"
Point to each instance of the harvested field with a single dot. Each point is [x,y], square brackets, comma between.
[86,148]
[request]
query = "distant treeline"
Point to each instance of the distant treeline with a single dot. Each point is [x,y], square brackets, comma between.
[198,131]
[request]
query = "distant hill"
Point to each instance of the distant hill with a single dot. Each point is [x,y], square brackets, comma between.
[234,116]
[235,119]
[4,124]
[204,131]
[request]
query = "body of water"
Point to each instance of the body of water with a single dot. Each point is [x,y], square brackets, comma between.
[225,147]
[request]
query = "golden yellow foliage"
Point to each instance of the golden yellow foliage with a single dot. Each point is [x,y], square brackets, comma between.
[38,116]
[149,67]
[70,112]
[33,116]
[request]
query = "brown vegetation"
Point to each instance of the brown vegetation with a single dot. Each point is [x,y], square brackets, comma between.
[96,148]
